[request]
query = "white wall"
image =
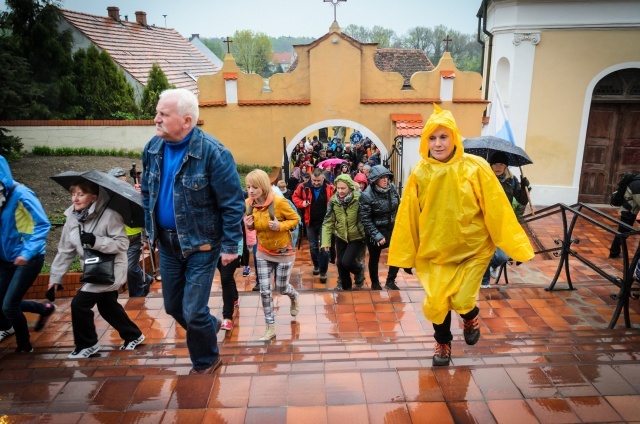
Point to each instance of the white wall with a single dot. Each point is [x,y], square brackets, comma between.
[132,138]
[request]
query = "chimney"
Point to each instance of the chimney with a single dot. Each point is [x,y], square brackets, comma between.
[194,36]
[113,12]
[141,18]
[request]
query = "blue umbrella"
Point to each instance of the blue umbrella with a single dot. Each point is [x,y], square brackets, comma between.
[486,145]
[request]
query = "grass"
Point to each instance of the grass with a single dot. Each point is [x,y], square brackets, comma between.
[75,267]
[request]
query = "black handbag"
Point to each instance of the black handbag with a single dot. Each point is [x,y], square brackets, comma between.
[98,267]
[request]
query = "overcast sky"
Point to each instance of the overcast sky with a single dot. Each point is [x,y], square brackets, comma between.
[311,18]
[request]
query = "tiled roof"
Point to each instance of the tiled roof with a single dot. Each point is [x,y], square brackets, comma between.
[408,124]
[404,61]
[283,58]
[135,47]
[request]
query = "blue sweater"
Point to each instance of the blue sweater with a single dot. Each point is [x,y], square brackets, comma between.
[173,156]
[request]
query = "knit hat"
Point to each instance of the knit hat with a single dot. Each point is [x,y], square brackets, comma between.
[499,157]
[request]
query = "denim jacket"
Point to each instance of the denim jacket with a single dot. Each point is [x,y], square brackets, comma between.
[208,199]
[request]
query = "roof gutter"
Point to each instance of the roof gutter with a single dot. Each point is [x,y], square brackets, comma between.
[482,16]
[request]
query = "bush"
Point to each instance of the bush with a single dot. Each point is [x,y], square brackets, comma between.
[83,151]
[10,145]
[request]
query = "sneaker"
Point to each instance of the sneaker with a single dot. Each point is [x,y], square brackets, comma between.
[209,370]
[227,325]
[375,286]
[246,271]
[27,349]
[295,305]
[471,331]
[6,333]
[133,343]
[493,272]
[84,353]
[391,285]
[441,354]
[323,278]
[44,317]
[316,270]
[256,287]
[485,286]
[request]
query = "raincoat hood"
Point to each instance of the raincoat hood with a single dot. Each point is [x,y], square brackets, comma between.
[5,176]
[361,178]
[345,178]
[377,172]
[445,119]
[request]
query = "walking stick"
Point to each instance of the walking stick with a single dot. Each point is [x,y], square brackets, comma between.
[526,190]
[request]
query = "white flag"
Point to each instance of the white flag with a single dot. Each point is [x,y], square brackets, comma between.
[499,122]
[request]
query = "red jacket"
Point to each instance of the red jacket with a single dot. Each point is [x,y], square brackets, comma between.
[305,192]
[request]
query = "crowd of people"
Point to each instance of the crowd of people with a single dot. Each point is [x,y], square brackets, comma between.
[199,218]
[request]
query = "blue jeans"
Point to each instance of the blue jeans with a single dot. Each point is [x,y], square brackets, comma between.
[14,283]
[186,288]
[136,279]
[319,256]
[499,257]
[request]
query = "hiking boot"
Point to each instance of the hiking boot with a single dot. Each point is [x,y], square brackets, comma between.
[246,271]
[269,333]
[6,333]
[471,330]
[84,353]
[44,317]
[391,285]
[295,305]
[375,285]
[227,325]
[209,370]
[133,343]
[441,354]
[323,278]
[316,270]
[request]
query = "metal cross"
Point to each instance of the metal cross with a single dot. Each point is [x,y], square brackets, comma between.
[446,43]
[228,41]
[335,4]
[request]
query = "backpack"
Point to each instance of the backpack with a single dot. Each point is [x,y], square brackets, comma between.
[293,234]
[617,197]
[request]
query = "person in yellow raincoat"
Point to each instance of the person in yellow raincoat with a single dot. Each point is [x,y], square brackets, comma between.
[452,215]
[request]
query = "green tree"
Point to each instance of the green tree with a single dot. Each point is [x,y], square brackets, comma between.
[252,51]
[383,36]
[18,93]
[33,25]
[360,33]
[156,84]
[215,45]
[103,91]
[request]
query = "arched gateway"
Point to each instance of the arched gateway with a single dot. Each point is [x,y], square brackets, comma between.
[335,83]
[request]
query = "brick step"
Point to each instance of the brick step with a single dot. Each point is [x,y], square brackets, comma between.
[303,356]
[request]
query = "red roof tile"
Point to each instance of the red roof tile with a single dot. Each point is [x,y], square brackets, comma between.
[282,58]
[448,74]
[404,61]
[408,124]
[230,75]
[135,47]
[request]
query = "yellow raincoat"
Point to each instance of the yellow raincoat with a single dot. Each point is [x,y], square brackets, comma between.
[450,220]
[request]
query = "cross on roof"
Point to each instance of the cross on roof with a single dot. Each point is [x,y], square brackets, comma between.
[228,41]
[335,4]
[446,43]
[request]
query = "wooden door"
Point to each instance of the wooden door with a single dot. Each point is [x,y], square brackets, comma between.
[597,163]
[628,154]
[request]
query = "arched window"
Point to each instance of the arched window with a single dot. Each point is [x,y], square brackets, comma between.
[622,85]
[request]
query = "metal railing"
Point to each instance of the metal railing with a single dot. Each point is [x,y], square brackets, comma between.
[393,162]
[564,250]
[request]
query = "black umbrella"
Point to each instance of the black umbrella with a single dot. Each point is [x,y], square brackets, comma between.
[124,199]
[486,145]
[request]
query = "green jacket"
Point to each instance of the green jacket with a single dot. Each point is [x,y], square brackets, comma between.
[342,221]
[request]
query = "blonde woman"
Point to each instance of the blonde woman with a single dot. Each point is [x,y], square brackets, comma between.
[272,217]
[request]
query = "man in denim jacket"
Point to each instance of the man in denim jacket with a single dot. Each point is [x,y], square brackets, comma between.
[193,209]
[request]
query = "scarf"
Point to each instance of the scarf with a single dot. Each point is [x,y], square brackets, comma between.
[380,189]
[344,201]
[82,215]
